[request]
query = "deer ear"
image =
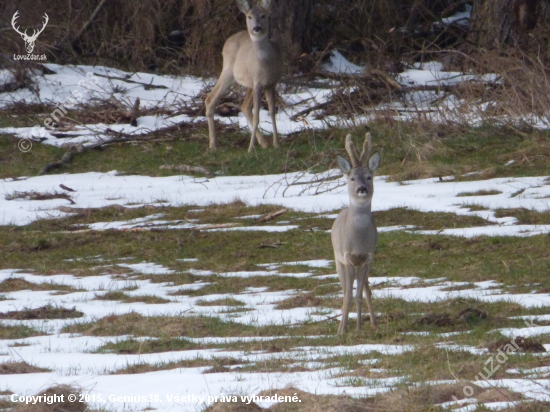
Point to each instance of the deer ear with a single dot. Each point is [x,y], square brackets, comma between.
[265,4]
[344,165]
[243,5]
[374,161]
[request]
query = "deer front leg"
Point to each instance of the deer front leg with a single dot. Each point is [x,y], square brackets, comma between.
[368,294]
[361,283]
[346,280]
[257,99]
[246,108]
[270,97]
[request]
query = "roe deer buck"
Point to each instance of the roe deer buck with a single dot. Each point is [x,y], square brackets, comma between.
[251,59]
[354,234]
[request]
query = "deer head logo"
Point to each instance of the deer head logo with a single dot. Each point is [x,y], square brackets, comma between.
[29,40]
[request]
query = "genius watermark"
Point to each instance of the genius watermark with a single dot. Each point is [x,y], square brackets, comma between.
[62,108]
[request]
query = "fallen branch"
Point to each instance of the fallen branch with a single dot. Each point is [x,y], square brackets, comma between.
[188,169]
[79,148]
[273,245]
[67,188]
[215,226]
[146,86]
[65,161]
[307,111]
[270,216]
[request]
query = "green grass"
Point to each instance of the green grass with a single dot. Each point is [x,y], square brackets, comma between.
[52,246]
[525,216]
[18,332]
[123,297]
[133,346]
[407,154]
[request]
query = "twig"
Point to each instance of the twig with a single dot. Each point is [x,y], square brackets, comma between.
[146,86]
[270,216]
[76,38]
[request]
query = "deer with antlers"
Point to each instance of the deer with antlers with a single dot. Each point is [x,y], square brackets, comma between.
[29,40]
[354,234]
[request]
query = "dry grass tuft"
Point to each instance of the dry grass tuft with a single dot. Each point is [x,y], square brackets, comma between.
[239,406]
[123,297]
[12,368]
[520,344]
[15,284]
[44,312]
[138,325]
[301,300]
[480,193]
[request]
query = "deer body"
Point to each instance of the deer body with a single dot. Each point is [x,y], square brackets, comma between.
[254,61]
[354,235]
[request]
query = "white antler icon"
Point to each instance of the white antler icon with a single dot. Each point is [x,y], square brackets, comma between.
[29,40]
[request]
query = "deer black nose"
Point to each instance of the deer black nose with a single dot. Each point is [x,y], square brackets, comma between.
[361,191]
[257,29]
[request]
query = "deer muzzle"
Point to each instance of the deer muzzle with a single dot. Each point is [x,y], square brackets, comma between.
[361,191]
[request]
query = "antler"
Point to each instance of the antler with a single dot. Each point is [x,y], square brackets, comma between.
[365,154]
[36,33]
[15,16]
[350,148]
[24,34]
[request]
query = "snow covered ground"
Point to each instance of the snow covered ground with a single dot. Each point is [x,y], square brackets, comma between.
[71,357]
[94,190]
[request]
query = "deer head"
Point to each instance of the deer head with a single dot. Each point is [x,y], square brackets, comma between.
[29,40]
[360,172]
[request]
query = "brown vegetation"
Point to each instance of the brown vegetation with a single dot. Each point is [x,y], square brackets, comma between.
[63,392]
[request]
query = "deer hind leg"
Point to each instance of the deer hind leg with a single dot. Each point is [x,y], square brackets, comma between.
[225,81]
[361,284]
[246,108]
[368,295]
[346,280]
[270,97]
[257,100]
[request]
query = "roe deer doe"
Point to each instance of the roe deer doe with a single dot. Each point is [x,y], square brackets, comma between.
[354,234]
[251,59]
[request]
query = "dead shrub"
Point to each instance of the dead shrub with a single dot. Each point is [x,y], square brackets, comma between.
[14,368]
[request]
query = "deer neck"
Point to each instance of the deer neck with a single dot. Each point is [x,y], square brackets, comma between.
[359,213]
[263,49]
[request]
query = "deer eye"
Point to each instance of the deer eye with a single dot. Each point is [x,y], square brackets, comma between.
[353,179]
[263,16]
[369,178]
[250,17]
